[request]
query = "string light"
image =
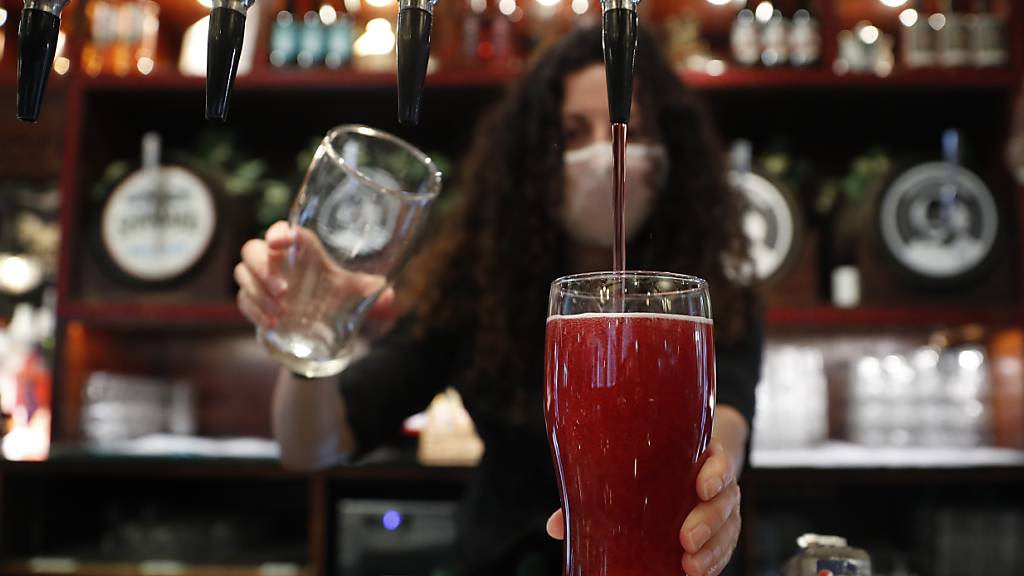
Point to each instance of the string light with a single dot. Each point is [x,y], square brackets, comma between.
[868,34]
[378,39]
[145,65]
[328,15]
[908,17]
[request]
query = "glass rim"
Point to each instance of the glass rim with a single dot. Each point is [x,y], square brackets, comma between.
[693,284]
[434,175]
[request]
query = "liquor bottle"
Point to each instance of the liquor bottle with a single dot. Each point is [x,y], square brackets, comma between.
[917,39]
[951,37]
[1007,398]
[97,53]
[987,33]
[502,36]
[312,41]
[745,40]
[775,41]
[127,30]
[472,32]
[284,39]
[26,384]
[490,32]
[149,29]
[338,37]
[804,39]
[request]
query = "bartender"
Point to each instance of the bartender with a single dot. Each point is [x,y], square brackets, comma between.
[534,205]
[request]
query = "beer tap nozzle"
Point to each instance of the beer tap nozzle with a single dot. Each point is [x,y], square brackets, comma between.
[224,47]
[37,45]
[415,20]
[619,34]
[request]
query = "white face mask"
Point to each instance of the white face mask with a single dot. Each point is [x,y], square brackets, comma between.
[587,214]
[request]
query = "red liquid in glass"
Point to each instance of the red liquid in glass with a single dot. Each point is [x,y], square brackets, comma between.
[629,406]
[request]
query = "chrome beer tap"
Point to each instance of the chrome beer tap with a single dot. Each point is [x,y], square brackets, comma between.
[415,19]
[37,45]
[224,47]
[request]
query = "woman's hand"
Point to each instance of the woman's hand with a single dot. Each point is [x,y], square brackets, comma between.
[709,534]
[263,295]
[711,531]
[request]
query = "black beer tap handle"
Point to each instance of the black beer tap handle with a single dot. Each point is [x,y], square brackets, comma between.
[227,28]
[37,46]
[620,26]
[415,19]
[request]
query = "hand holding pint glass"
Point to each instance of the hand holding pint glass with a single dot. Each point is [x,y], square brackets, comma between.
[630,396]
[358,214]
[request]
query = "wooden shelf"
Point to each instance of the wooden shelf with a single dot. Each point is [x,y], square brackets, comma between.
[293,79]
[872,317]
[298,80]
[823,79]
[226,314]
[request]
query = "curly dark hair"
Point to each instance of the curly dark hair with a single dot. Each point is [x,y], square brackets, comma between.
[489,266]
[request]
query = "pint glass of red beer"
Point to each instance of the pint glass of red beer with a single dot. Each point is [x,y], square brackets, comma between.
[630,398]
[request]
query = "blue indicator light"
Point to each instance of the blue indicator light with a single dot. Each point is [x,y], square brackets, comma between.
[391,520]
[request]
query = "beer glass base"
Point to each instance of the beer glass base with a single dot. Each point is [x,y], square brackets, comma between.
[306,356]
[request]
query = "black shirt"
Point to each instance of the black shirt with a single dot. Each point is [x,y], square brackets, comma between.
[513,490]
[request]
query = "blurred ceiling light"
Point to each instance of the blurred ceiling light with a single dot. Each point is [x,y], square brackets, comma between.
[548,2]
[970,359]
[883,68]
[719,2]
[19,274]
[378,39]
[764,11]
[868,34]
[3,16]
[714,67]
[328,15]
[478,6]
[353,6]
[894,3]
[206,3]
[61,65]
[507,7]
[145,65]
[580,7]
[908,17]
[937,21]
[380,3]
